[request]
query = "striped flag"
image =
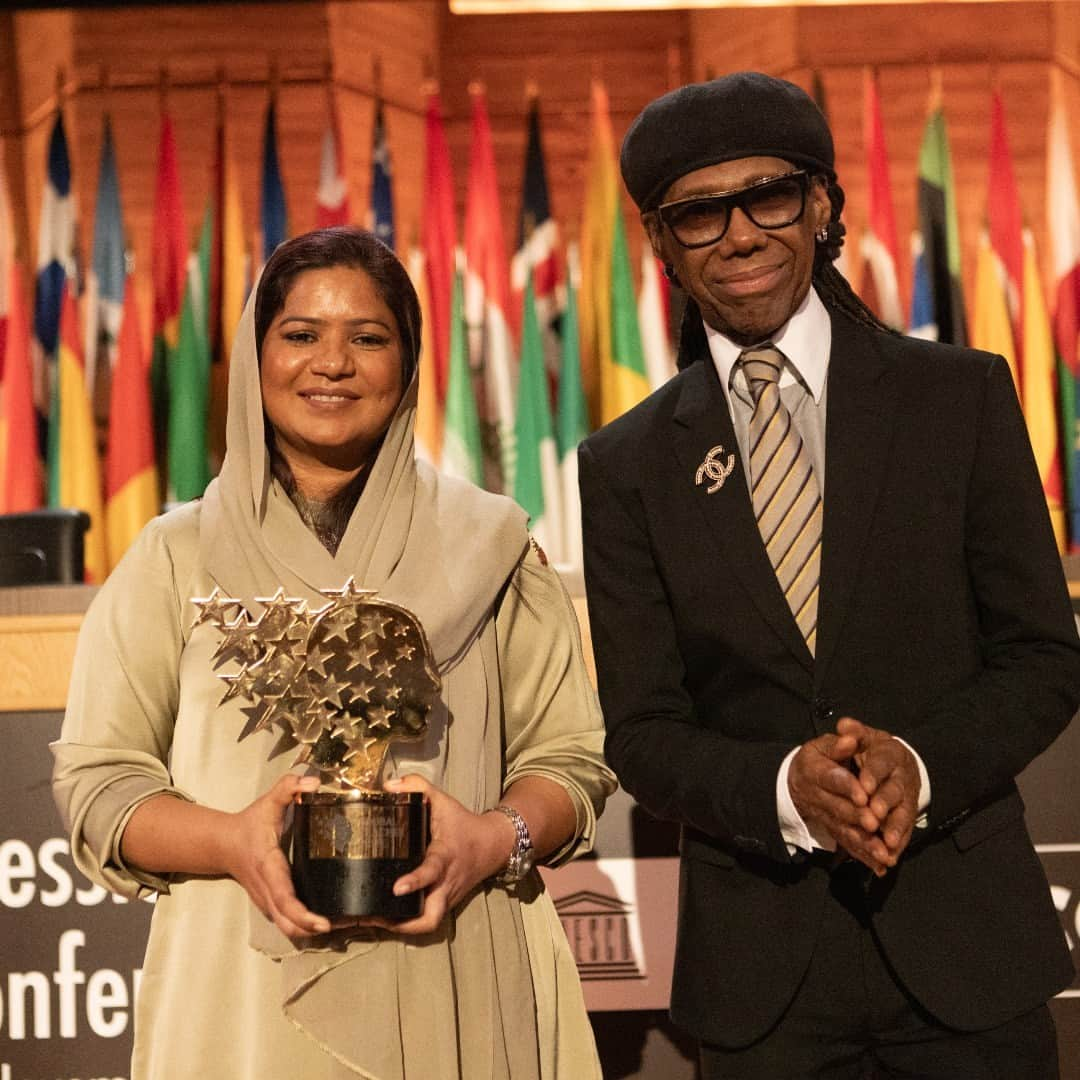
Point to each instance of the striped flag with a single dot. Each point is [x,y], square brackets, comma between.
[131,477]
[439,238]
[462,452]
[274,215]
[487,303]
[332,198]
[921,321]
[429,418]
[74,469]
[572,416]
[21,480]
[623,380]
[880,287]
[104,300]
[1040,389]
[56,260]
[168,259]
[189,377]
[381,212]
[537,252]
[654,314]
[991,328]
[228,286]
[536,476]
[1063,215]
[939,235]
[597,241]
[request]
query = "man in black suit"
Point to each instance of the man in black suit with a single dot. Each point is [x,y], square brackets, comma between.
[830,627]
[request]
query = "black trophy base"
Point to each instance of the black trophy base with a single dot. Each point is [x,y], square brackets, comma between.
[349,848]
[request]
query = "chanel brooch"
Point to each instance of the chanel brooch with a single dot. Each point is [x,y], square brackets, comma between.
[712,468]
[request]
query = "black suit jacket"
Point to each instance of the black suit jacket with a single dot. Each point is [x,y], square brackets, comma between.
[943,617]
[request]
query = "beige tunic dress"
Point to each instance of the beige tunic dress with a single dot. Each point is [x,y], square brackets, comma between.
[224,996]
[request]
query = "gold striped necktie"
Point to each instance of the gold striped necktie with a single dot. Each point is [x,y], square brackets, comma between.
[787,500]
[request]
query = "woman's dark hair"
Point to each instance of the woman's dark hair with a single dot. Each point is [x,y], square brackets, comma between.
[343,245]
[835,292]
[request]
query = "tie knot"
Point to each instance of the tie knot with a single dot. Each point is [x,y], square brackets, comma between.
[761,366]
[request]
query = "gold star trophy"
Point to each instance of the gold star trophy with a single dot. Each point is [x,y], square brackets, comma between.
[341,682]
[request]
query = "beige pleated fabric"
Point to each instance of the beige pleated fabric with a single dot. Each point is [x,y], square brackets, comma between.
[494,993]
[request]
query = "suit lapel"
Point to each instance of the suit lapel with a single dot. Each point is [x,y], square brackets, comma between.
[860,420]
[702,424]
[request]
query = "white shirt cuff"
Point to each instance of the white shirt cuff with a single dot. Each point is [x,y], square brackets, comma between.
[797,834]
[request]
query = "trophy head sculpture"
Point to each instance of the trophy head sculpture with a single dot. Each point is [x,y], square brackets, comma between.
[342,682]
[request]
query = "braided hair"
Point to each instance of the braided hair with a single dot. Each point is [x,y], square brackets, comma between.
[835,292]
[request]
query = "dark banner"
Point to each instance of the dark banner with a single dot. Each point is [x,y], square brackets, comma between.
[71,952]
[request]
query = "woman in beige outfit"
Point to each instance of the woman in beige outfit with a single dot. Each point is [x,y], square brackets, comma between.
[163,793]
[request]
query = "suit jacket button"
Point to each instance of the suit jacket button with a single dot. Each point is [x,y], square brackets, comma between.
[825,713]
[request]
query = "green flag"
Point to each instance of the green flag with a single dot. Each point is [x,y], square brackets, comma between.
[189,378]
[462,454]
[625,381]
[536,476]
[572,417]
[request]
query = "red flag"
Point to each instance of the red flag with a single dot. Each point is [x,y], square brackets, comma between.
[169,255]
[131,479]
[487,301]
[439,236]
[22,480]
[332,198]
[1063,211]
[880,280]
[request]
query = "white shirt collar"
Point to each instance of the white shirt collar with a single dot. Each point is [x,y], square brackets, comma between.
[805,340]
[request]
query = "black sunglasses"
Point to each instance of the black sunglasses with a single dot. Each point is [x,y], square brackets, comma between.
[772,203]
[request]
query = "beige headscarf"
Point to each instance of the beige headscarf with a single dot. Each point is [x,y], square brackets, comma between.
[445,550]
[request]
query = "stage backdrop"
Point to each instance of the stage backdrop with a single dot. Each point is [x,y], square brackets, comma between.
[70,953]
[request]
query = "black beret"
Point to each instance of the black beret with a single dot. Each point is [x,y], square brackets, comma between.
[745,114]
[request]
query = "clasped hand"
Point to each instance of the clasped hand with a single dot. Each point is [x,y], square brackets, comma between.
[465,849]
[861,787]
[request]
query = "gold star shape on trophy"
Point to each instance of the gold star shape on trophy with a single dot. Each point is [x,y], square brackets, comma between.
[236,642]
[348,593]
[336,624]
[373,624]
[378,716]
[215,608]
[361,656]
[316,659]
[330,691]
[405,652]
[241,684]
[384,668]
[361,690]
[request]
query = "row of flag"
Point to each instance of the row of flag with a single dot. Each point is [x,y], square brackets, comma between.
[1010,312]
[522,356]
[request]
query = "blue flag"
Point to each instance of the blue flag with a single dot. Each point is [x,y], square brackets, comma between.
[382,202]
[275,223]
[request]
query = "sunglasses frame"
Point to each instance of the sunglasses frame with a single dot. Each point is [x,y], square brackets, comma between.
[737,197]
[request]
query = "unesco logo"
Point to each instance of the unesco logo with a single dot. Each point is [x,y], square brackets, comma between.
[1062,865]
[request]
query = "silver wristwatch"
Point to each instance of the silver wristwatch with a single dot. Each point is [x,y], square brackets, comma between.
[521,858]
